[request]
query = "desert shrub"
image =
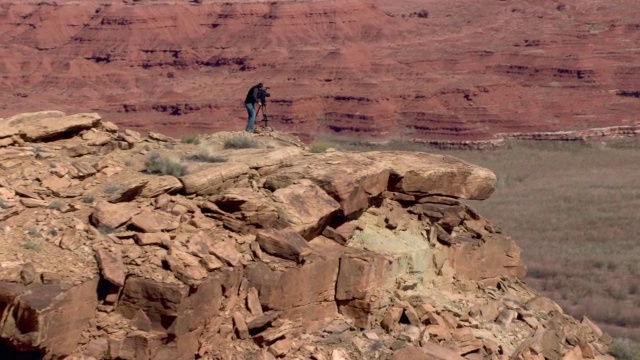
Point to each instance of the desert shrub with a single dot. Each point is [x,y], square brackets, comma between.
[57,204]
[423,13]
[190,139]
[88,199]
[37,150]
[34,232]
[4,204]
[103,229]
[30,245]
[205,154]
[625,349]
[166,165]
[111,189]
[320,146]
[241,142]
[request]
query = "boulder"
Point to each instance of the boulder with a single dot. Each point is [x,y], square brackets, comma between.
[158,185]
[126,190]
[488,258]
[185,266]
[154,221]
[305,207]
[252,208]
[112,216]
[160,302]
[314,282]
[286,244]
[419,174]
[111,266]
[211,179]
[50,124]
[351,179]
[48,318]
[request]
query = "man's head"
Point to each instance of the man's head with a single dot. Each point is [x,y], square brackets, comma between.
[259,85]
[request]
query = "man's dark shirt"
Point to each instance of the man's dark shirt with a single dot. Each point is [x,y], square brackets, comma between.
[252,95]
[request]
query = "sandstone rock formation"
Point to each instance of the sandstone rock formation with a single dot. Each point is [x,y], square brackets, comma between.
[298,255]
[436,70]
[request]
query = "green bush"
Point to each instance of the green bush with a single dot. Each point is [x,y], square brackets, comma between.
[241,142]
[320,146]
[4,204]
[625,349]
[190,139]
[30,245]
[206,155]
[111,189]
[165,165]
[34,232]
[104,229]
[57,204]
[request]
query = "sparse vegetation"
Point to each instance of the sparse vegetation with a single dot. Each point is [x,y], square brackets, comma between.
[34,232]
[320,146]
[423,13]
[88,199]
[57,204]
[30,245]
[165,165]
[106,230]
[241,142]
[625,349]
[111,189]
[4,204]
[190,139]
[37,150]
[205,154]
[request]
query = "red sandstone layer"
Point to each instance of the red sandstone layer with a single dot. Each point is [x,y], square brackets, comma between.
[443,70]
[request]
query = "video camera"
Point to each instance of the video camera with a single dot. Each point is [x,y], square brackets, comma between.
[263,95]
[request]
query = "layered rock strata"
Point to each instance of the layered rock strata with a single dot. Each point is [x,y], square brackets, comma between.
[382,69]
[269,252]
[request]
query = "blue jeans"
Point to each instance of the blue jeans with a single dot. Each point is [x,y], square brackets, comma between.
[252,116]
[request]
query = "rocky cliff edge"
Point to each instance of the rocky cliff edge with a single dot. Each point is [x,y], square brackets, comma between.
[249,246]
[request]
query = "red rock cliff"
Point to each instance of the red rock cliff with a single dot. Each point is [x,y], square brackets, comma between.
[436,70]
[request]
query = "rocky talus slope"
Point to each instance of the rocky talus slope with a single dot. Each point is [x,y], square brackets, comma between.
[270,252]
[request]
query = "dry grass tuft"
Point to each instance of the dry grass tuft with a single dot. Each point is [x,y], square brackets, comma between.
[165,165]
[241,142]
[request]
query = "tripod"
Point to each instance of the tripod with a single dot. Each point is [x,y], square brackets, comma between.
[265,117]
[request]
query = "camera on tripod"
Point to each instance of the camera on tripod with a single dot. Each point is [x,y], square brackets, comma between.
[263,95]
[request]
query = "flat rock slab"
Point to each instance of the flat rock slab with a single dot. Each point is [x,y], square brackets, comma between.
[351,179]
[416,173]
[153,221]
[111,266]
[113,215]
[47,124]
[306,207]
[285,244]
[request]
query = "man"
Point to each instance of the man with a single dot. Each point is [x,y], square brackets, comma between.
[252,98]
